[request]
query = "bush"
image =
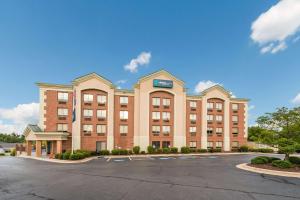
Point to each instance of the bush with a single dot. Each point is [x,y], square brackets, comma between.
[2,154]
[130,152]
[103,152]
[66,155]
[150,149]
[136,149]
[185,150]
[143,152]
[234,150]
[158,151]
[13,152]
[75,156]
[84,152]
[119,152]
[282,164]
[193,150]
[260,160]
[174,150]
[115,152]
[166,150]
[58,156]
[202,150]
[244,148]
[294,160]
[265,150]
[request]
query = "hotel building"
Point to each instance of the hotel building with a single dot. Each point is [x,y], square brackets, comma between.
[92,114]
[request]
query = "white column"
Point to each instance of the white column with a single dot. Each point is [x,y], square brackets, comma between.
[76,128]
[110,121]
[226,126]
[246,121]
[42,109]
[204,124]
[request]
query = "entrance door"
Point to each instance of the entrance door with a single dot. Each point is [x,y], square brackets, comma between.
[100,146]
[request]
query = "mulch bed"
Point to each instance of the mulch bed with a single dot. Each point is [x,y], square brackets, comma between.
[270,167]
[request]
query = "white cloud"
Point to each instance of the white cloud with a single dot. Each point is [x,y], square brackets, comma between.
[142,59]
[15,119]
[273,28]
[296,100]
[203,85]
[122,81]
[251,107]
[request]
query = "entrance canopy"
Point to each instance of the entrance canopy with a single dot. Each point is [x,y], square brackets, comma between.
[34,133]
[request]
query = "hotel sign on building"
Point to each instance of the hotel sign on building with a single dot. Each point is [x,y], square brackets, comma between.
[158,112]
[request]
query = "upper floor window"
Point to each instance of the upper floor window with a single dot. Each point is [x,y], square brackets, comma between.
[193,129]
[123,114]
[219,118]
[235,118]
[123,100]
[62,96]
[219,130]
[166,116]
[62,111]
[156,101]
[87,128]
[87,113]
[156,115]
[101,129]
[101,114]
[123,129]
[101,99]
[209,130]
[166,102]
[193,117]
[210,117]
[166,129]
[219,106]
[62,127]
[235,106]
[210,105]
[235,131]
[155,129]
[193,104]
[88,98]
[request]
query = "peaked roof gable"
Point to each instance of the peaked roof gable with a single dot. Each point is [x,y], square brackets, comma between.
[91,76]
[217,87]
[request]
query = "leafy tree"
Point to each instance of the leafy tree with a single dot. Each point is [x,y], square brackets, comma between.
[11,138]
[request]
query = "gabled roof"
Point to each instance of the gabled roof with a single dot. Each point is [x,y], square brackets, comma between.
[90,76]
[51,85]
[161,72]
[218,87]
[32,127]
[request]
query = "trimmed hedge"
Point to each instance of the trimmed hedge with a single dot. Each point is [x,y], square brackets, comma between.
[166,150]
[185,150]
[2,154]
[150,149]
[136,149]
[261,150]
[244,148]
[282,164]
[202,150]
[103,152]
[119,152]
[260,160]
[294,160]
[174,150]
[66,155]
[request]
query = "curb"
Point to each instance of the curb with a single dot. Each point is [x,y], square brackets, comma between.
[60,161]
[244,166]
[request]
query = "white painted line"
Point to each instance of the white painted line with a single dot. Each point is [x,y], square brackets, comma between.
[212,157]
[108,159]
[129,158]
[118,160]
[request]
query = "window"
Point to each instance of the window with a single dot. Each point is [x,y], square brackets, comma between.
[193,117]
[235,118]
[219,118]
[235,131]
[193,104]
[156,130]
[87,128]
[62,111]
[101,129]
[193,129]
[166,144]
[123,129]
[166,129]
[235,106]
[166,102]
[219,130]
[123,114]
[87,98]
[87,113]
[209,131]
[210,105]
[156,144]
[166,116]
[210,117]
[123,100]
[210,144]
[101,99]
[101,114]
[235,144]
[62,127]
[219,144]
[156,115]
[62,96]
[156,101]
[219,106]
[193,144]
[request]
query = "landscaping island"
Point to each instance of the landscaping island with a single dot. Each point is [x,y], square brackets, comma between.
[276,164]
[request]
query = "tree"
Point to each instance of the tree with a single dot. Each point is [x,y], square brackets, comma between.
[11,138]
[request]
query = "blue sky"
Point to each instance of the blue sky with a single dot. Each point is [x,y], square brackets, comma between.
[57,41]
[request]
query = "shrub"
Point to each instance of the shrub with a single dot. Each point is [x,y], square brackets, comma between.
[84,152]
[234,149]
[136,149]
[66,155]
[150,149]
[58,156]
[94,153]
[260,160]
[143,152]
[103,152]
[294,160]
[119,152]
[265,150]
[124,152]
[115,152]
[282,164]
[244,148]
[193,150]
[166,150]
[202,150]
[130,152]
[159,151]
[174,150]
[13,152]
[75,156]
[2,154]
[185,150]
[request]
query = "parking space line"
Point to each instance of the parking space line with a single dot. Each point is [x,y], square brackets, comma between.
[108,159]
[129,158]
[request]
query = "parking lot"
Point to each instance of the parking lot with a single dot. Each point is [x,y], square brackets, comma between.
[186,177]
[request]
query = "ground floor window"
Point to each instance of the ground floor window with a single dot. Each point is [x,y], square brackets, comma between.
[156,144]
[193,144]
[219,144]
[235,144]
[210,144]
[166,144]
